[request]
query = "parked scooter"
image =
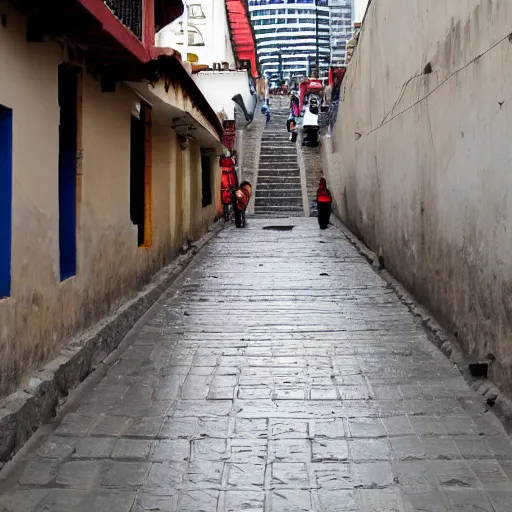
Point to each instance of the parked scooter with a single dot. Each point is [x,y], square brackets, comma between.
[311,126]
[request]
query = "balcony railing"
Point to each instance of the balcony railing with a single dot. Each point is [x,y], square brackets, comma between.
[129,13]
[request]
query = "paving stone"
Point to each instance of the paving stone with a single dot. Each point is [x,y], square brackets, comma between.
[22,501]
[295,500]
[407,448]
[108,501]
[366,427]
[174,428]
[167,450]
[380,500]
[343,404]
[288,429]
[333,429]
[164,478]
[371,475]
[244,500]
[369,449]
[330,450]
[79,474]
[75,425]
[333,475]
[94,448]
[469,500]
[336,500]
[63,500]
[287,474]
[40,472]
[502,501]
[204,474]
[110,425]
[429,501]
[440,447]
[452,473]
[124,475]
[198,500]
[57,448]
[209,449]
[415,476]
[397,426]
[144,427]
[253,451]
[133,449]
[146,502]
[490,475]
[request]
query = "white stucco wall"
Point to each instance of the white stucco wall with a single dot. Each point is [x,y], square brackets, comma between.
[214,30]
[422,161]
[220,87]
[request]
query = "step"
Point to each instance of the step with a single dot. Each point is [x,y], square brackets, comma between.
[278,201]
[280,186]
[278,209]
[279,195]
[276,159]
[278,192]
[269,173]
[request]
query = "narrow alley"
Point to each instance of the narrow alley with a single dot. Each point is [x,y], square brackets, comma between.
[279,373]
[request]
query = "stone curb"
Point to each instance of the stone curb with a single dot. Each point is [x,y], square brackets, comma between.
[24,411]
[500,403]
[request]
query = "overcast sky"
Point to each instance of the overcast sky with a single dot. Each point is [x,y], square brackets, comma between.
[360,9]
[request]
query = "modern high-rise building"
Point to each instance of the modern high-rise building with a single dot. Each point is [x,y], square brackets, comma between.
[341,14]
[292,36]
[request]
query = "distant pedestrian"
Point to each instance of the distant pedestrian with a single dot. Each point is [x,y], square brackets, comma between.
[265,110]
[324,202]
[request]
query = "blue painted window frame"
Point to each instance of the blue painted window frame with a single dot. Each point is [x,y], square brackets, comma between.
[6,128]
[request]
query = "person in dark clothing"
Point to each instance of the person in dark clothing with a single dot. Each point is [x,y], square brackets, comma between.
[324,202]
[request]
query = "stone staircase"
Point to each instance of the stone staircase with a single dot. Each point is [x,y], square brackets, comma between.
[278,190]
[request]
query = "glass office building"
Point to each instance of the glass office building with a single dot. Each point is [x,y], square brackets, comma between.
[292,36]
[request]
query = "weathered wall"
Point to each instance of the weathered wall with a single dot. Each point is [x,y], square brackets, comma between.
[422,162]
[42,312]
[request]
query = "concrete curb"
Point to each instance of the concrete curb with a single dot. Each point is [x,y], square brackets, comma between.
[500,404]
[24,411]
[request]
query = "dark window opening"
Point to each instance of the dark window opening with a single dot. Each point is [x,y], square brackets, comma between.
[68,129]
[206,179]
[140,176]
[5,200]
[137,177]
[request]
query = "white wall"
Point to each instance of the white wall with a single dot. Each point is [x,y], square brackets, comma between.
[423,161]
[214,30]
[220,87]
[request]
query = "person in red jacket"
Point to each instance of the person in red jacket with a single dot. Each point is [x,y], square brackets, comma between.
[324,202]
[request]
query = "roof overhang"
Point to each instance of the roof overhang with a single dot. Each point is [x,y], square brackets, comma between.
[242,34]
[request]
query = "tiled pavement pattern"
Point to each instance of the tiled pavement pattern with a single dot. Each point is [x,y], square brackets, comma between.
[280,374]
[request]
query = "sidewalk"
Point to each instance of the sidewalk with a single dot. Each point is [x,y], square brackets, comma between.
[279,373]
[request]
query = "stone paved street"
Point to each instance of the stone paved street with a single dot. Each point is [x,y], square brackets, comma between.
[280,373]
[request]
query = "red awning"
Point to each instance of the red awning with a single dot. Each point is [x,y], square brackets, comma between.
[242,35]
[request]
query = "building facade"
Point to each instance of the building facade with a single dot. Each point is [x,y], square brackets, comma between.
[292,36]
[341,17]
[107,167]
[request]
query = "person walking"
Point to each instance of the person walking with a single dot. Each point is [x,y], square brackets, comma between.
[324,202]
[265,110]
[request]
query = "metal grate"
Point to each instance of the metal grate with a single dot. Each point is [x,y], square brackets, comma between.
[129,13]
